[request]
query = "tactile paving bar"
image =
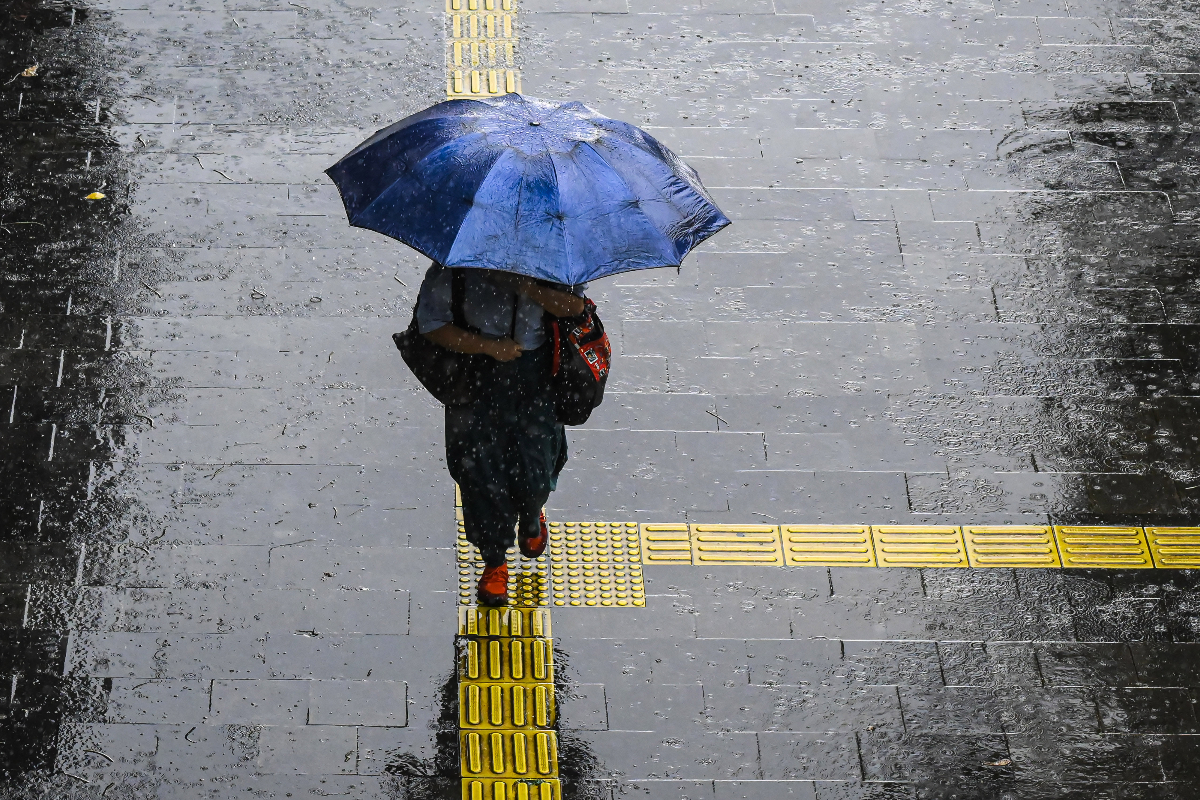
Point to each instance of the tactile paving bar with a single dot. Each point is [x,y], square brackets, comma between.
[481,48]
[919,546]
[1011,546]
[1096,546]
[736,544]
[508,754]
[1174,548]
[666,544]
[508,622]
[491,789]
[506,660]
[505,705]
[828,545]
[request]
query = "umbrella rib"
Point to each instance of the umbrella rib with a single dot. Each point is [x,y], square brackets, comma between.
[558,194]
[628,188]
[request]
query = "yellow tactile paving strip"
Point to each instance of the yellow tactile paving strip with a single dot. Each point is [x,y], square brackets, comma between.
[1174,547]
[1094,546]
[828,545]
[508,749]
[1011,546]
[586,564]
[1062,546]
[481,48]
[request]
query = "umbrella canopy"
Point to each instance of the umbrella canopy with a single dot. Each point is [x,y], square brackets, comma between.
[545,189]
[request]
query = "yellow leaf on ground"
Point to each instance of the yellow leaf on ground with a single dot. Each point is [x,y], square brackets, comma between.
[31,72]
[95,196]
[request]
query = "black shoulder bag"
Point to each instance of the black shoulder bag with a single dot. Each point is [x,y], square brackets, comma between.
[455,379]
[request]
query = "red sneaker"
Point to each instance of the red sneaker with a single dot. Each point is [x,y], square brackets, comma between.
[534,546]
[493,586]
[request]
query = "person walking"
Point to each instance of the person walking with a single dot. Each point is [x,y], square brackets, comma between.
[507,448]
[518,202]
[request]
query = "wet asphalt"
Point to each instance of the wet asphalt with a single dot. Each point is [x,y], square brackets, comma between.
[959,288]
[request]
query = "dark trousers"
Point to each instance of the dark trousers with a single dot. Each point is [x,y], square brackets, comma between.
[506,452]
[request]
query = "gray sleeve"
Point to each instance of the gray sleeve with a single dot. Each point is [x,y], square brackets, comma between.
[434,299]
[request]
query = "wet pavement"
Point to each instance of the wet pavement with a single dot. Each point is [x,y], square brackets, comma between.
[958,290]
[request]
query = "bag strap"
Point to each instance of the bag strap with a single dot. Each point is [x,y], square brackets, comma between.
[458,290]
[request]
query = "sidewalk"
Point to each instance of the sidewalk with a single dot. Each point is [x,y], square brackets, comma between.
[957,291]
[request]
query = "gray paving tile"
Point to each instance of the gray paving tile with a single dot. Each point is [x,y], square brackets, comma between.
[651,622]
[989,664]
[599,660]
[761,790]
[743,614]
[1086,664]
[831,705]
[666,790]
[1147,710]
[809,756]
[794,662]
[953,709]
[666,708]
[894,663]
[583,707]
[918,757]
[260,702]
[381,703]
[1122,758]
[169,700]
[696,756]
[407,750]
[323,749]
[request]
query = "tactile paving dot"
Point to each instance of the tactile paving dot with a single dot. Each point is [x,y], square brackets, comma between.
[596,564]
[527,580]
[588,564]
[619,585]
[595,542]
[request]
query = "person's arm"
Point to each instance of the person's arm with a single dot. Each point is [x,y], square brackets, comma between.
[455,338]
[560,304]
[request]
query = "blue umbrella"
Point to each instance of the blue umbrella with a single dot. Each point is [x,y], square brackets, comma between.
[544,189]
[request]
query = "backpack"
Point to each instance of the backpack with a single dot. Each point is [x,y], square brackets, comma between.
[580,364]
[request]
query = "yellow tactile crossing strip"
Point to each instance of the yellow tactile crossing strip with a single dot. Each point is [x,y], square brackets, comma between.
[481,45]
[508,749]
[1055,546]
